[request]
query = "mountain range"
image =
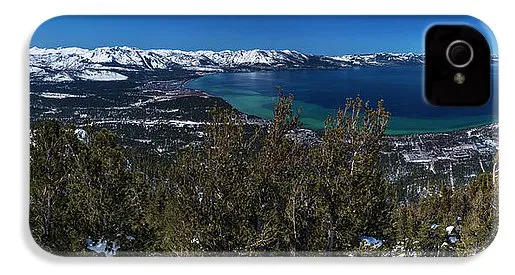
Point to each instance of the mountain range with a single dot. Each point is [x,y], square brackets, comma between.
[119,63]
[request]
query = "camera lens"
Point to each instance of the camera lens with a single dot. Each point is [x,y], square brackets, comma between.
[460,53]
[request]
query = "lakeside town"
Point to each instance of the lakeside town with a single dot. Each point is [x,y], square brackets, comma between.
[453,158]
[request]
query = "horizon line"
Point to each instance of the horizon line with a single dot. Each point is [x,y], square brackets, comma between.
[225,50]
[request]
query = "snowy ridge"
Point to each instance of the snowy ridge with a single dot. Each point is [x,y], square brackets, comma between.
[100,75]
[114,63]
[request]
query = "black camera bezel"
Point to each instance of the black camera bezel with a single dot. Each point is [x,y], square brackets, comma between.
[440,87]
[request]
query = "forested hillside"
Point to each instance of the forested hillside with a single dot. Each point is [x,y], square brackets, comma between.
[241,193]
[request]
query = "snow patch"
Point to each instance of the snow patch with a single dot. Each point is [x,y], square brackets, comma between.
[36,70]
[371,241]
[102,247]
[449,229]
[81,134]
[146,141]
[453,239]
[94,75]
[60,95]
[58,77]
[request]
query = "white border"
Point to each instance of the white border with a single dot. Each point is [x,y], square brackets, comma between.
[19,254]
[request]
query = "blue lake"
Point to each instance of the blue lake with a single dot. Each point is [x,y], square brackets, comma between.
[321,92]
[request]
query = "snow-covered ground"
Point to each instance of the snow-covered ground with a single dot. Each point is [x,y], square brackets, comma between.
[145,122]
[371,241]
[60,95]
[102,246]
[101,75]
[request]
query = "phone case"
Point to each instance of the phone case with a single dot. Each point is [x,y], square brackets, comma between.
[254,136]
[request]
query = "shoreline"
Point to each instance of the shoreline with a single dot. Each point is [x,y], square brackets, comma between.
[388,132]
[438,132]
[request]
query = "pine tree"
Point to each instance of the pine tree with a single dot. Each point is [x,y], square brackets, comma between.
[278,184]
[480,223]
[52,151]
[211,191]
[83,191]
[353,199]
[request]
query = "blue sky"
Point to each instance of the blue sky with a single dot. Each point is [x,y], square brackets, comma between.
[328,35]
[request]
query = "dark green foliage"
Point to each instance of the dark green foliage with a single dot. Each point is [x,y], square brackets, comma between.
[247,190]
[209,191]
[51,177]
[84,189]
[450,222]
[480,225]
[354,199]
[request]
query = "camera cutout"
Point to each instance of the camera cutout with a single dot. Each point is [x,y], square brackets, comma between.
[457,67]
[460,53]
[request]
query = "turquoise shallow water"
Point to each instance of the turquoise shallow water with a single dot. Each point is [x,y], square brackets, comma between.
[320,93]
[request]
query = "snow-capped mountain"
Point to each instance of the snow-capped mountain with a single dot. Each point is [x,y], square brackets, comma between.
[116,63]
